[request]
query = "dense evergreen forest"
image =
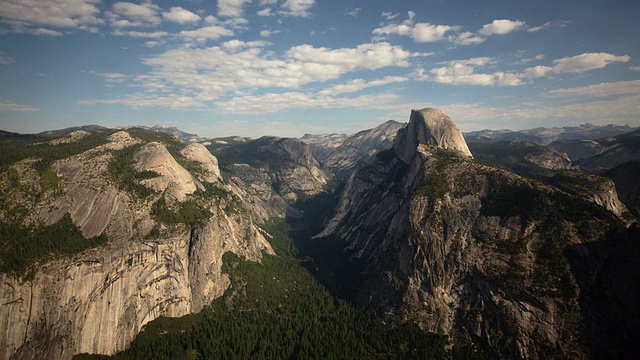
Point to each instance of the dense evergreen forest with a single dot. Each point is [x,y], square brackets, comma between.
[277,310]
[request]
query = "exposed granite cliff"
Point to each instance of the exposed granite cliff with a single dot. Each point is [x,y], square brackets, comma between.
[98,300]
[429,127]
[493,259]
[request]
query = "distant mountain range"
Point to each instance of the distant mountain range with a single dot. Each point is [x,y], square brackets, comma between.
[545,136]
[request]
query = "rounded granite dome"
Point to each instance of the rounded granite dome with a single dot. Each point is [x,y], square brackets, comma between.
[429,126]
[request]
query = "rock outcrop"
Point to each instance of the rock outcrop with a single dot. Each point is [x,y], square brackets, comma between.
[155,157]
[479,253]
[341,159]
[198,152]
[429,127]
[97,301]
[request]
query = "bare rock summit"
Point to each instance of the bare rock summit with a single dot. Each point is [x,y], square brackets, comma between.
[429,126]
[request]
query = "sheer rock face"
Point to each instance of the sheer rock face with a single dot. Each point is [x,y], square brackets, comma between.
[198,152]
[429,127]
[155,157]
[98,301]
[476,252]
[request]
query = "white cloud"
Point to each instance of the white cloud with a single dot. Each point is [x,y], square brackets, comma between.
[232,8]
[112,78]
[206,74]
[29,16]
[466,38]
[366,56]
[500,27]
[600,90]
[621,110]
[635,68]
[462,72]
[17,107]
[267,2]
[420,32]
[153,43]
[212,32]
[297,7]
[389,15]
[140,34]
[575,64]
[541,27]
[268,33]
[275,102]
[360,84]
[586,62]
[181,16]
[265,12]
[126,14]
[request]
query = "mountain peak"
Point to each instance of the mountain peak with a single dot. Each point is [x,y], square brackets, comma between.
[429,126]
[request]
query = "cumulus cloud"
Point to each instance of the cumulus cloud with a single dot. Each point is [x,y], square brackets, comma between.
[140,34]
[275,102]
[389,15]
[232,8]
[501,27]
[360,84]
[126,14]
[298,8]
[600,90]
[181,16]
[268,33]
[202,34]
[206,74]
[34,16]
[466,38]
[265,12]
[463,72]
[575,64]
[586,62]
[420,32]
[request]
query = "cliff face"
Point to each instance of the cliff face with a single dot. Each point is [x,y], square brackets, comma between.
[479,253]
[429,127]
[98,300]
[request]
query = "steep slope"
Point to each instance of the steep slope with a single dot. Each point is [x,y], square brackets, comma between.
[503,263]
[578,149]
[107,232]
[625,176]
[289,163]
[617,150]
[341,158]
[429,127]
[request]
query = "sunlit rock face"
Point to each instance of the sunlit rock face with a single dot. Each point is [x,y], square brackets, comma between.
[429,126]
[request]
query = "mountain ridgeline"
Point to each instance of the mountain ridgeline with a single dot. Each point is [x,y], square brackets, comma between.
[402,241]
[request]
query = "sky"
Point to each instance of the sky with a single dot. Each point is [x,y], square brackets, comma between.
[290,67]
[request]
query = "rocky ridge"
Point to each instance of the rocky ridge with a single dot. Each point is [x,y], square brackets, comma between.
[98,300]
[474,251]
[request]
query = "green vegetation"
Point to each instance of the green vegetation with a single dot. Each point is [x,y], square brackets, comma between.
[126,178]
[49,179]
[189,212]
[276,310]
[20,147]
[21,246]
[436,186]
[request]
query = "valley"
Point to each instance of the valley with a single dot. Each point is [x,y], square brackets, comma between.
[402,241]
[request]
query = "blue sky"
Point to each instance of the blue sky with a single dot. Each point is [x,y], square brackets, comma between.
[289,67]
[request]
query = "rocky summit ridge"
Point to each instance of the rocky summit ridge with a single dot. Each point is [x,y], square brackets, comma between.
[429,126]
